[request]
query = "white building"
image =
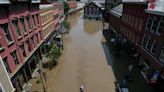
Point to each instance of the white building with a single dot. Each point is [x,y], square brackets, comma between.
[5,83]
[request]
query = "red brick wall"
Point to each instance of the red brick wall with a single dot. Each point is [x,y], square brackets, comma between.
[19,11]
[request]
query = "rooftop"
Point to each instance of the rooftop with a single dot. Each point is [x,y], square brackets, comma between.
[156,8]
[45,6]
[134,1]
[117,11]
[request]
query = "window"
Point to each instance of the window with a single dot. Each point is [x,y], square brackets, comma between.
[40,35]
[6,32]
[24,27]
[153,47]
[6,65]
[37,16]
[14,55]
[154,24]
[136,22]
[37,39]
[129,19]
[32,40]
[132,21]
[28,21]
[160,27]
[33,17]
[140,25]
[23,50]
[149,22]
[15,23]
[143,41]
[161,56]
[28,45]
[148,44]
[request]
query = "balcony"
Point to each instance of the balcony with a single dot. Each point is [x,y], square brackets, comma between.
[4,2]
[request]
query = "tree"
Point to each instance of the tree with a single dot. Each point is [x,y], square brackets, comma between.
[53,53]
[66,8]
[66,24]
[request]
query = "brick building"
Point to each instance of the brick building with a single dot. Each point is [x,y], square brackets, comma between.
[142,30]
[132,23]
[152,44]
[21,37]
[93,10]
[109,4]
[50,22]
[114,20]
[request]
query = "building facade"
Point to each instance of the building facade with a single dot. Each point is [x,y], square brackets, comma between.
[109,4]
[21,37]
[5,82]
[51,15]
[133,21]
[72,4]
[152,45]
[114,20]
[61,10]
[93,11]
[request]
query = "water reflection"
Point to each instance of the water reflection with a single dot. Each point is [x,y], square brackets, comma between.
[73,19]
[91,26]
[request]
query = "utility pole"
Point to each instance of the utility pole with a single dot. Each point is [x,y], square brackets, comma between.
[41,79]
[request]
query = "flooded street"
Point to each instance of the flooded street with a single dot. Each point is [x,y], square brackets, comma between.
[83,61]
[90,61]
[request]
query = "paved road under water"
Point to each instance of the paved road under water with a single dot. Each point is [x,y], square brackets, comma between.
[83,61]
[88,61]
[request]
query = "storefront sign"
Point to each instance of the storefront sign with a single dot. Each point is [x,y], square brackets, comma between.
[156,5]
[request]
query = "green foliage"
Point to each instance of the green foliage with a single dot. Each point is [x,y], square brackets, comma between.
[53,53]
[66,24]
[66,8]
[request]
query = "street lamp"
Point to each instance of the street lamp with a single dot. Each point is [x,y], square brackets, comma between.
[40,71]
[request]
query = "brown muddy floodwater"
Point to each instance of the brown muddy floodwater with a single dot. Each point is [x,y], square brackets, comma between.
[83,61]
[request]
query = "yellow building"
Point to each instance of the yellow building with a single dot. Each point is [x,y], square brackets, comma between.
[47,19]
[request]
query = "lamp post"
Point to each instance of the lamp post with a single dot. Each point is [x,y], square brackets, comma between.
[40,71]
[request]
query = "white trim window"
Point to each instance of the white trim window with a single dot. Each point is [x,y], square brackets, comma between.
[153,47]
[6,65]
[161,56]
[14,55]
[148,44]
[6,32]
[160,26]
[143,41]
[149,22]
[154,24]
